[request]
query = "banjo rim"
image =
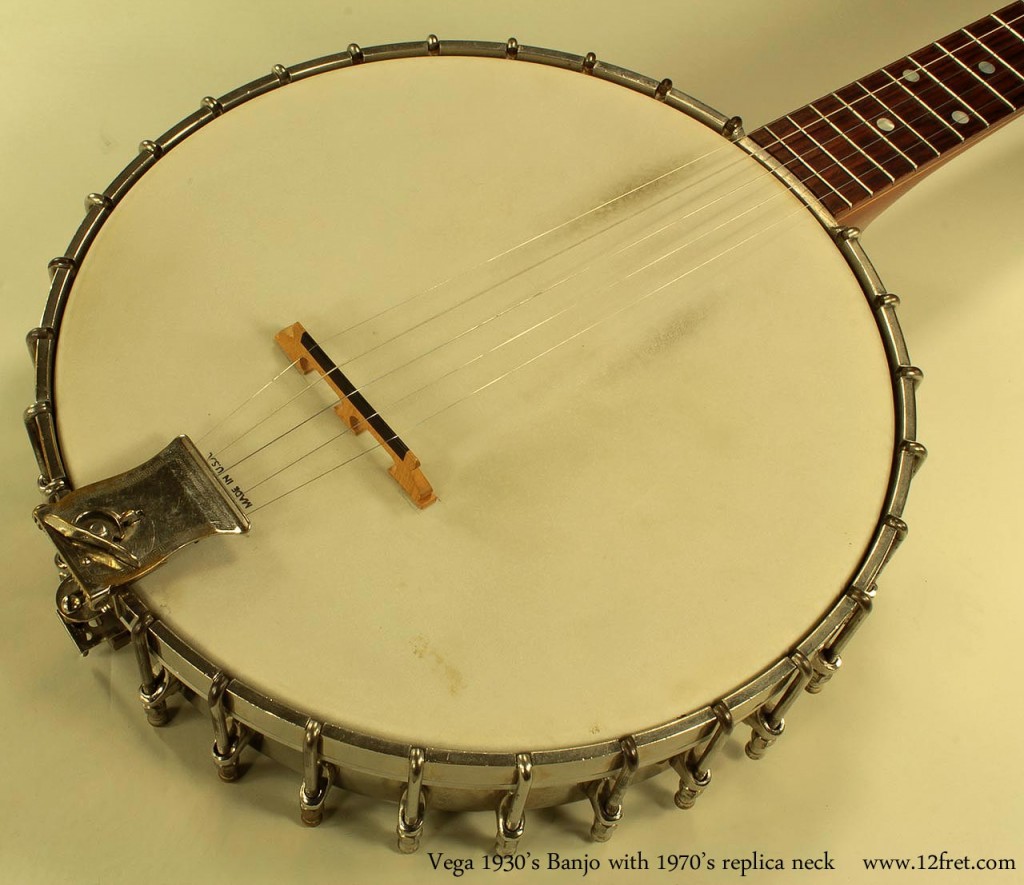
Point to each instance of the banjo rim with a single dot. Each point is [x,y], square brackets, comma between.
[461,779]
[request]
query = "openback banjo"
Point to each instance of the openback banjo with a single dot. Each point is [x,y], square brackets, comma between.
[607,461]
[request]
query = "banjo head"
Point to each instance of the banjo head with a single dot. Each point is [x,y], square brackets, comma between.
[662,404]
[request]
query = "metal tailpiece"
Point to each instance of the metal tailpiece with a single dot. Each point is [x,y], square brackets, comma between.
[114,531]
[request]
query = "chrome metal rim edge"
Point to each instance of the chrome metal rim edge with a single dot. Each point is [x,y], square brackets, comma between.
[459,768]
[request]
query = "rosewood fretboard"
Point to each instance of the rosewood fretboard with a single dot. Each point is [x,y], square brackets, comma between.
[859,145]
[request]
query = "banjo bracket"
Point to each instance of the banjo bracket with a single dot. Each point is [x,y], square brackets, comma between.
[114,531]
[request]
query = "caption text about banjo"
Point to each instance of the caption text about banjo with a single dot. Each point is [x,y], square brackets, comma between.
[753,862]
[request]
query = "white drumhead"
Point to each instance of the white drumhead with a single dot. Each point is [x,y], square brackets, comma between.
[680,462]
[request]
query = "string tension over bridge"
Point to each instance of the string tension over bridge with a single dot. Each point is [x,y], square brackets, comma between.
[300,347]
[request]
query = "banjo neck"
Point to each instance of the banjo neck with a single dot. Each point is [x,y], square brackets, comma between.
[859,147]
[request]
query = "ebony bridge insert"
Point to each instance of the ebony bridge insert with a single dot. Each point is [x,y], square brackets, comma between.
[300,347]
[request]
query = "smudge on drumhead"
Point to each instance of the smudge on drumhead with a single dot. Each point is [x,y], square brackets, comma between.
[455,682]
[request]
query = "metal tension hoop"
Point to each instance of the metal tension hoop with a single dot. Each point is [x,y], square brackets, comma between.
[114,531]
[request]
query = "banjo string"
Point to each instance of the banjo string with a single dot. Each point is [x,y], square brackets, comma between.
[930,112]
[480,264]
[522,302]
[518,273]
[605,204]
[534,327]
[532,359]
[872,93]
[506,309]
[421,389]
[517,304]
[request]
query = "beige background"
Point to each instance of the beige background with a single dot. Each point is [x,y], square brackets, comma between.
[913,749]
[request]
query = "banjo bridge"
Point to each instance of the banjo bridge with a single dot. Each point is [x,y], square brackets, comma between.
[301,348]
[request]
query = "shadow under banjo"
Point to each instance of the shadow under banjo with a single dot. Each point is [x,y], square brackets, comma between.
[662,413]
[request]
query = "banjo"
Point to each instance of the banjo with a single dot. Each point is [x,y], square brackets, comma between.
[595,407]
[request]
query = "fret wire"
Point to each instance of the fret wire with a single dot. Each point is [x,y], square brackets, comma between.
[874,94]
[931,111]
[953,64]
[882,136]
[892,110]
[1002,77]
[781,142]
[994,54]
[976,77]
[912,98]
[836,168]
[1003,42]
[1011,53]
[1013,16]
[984,106]
[861,150]
[1008,26]
[943,86]
[921,101]
[976,109]
[924,67]
[829,154]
